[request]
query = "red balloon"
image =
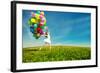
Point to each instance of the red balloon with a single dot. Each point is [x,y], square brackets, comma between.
[40,25]
[38,29]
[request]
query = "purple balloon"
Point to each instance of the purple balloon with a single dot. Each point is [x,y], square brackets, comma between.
[41,32]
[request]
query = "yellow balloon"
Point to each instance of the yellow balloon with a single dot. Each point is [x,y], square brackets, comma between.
[38,34]
[37,16]
[33,20]
[42,13]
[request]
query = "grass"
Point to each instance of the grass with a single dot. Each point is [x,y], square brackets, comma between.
[57,53]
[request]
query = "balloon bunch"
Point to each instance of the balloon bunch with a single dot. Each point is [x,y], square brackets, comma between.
[37,24]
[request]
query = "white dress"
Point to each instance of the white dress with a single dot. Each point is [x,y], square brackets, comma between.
[47,40]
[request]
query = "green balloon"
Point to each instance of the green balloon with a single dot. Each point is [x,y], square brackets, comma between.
[42,27]
[38,12]
[29,23]
[45,24]
[36,36]
[35,26]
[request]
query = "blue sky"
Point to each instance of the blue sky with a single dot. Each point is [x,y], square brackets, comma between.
[66,28]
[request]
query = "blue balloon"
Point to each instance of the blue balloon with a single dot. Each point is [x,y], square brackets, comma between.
[32,29]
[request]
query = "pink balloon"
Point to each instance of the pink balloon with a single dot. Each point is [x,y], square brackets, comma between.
[41,22]
[33,14]
[41,16]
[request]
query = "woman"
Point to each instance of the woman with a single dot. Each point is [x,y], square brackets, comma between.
[47,40]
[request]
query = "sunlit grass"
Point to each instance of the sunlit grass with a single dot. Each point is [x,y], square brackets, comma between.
[56,53]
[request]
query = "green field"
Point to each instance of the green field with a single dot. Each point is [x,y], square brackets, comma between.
[57,53]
